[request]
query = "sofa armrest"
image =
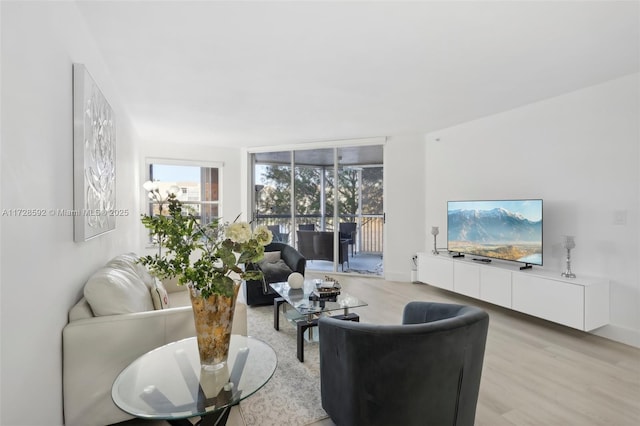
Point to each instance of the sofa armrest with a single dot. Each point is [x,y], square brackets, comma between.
[294,260]
[96,350]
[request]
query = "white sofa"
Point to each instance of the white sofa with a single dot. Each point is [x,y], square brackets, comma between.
[112,325]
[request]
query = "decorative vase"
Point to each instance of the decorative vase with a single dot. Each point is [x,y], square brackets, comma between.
[213,318]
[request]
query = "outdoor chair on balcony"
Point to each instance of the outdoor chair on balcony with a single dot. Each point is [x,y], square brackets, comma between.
[424,372]
[307,227]
[318,245]
[348,231]
[275,230]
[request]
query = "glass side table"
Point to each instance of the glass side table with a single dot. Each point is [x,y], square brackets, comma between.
[169,384]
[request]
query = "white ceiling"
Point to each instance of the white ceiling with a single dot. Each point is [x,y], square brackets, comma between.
[264,73]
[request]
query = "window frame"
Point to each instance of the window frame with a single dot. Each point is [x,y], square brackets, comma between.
[150,161]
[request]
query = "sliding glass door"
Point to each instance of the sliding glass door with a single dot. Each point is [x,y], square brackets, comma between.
[272,189]
[325,202]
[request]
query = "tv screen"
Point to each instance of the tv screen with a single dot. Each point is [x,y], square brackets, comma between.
[499,229]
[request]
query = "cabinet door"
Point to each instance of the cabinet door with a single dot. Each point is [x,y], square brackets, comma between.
[435,271]
[466,279]
[596,305]
[550,299]
[495,286]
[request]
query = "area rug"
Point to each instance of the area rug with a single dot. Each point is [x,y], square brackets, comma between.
[292,396]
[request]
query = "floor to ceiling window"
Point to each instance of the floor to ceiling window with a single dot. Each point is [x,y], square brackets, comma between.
[328,203]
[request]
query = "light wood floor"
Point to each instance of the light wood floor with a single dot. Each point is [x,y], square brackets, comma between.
[535,372]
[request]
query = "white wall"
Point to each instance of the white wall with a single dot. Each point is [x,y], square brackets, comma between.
[43,270]
[580,153]
[404,180]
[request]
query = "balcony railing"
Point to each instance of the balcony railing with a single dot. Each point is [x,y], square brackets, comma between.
[369,228]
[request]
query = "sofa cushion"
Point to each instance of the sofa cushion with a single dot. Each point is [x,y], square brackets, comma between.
[275,271]
[113,290]
[271,257]
[159,296]
[129,261]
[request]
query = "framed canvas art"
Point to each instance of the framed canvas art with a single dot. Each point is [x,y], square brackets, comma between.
[94,158]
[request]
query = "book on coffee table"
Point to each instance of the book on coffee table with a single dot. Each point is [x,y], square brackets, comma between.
[328,295]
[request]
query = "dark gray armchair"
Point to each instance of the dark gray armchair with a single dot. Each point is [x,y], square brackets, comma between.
[259,292]
[423,372]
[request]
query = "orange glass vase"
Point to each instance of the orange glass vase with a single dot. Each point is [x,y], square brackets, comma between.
[213,319]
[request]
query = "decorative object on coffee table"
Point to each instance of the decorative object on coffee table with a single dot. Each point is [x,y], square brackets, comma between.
[328,289]
[568,243]
[295,280]
[210,259]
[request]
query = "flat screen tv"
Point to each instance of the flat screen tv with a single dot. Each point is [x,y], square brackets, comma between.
[497,229]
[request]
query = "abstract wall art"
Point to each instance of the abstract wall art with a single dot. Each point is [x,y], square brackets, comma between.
[94,158]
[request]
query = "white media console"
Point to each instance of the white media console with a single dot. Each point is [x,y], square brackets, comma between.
[581,303]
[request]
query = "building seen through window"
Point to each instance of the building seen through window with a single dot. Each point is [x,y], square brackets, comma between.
[199,188]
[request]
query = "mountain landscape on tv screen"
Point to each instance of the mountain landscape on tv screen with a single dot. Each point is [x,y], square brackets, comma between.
[496,233]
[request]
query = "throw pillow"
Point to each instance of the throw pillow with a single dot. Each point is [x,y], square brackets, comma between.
[129,261]
[275,271]
[271,256]
[111,291]
[159,295]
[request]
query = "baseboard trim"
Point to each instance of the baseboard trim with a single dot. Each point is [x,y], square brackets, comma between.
[398,276]
[617,333]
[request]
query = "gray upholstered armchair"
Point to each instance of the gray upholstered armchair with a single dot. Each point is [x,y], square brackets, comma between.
[258,292]
[423,372]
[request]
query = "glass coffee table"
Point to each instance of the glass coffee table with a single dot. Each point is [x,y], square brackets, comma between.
[310,308]
[169,384]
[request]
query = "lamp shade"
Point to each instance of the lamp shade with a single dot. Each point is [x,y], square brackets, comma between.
[568,242]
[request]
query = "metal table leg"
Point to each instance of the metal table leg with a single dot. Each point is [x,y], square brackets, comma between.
[276,312]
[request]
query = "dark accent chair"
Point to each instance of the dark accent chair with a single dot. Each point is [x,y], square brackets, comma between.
[318,245]
[348,232]
[259,292]
[423,372]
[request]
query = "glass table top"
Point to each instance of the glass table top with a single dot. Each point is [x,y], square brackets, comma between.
[169,383]
[299,299]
